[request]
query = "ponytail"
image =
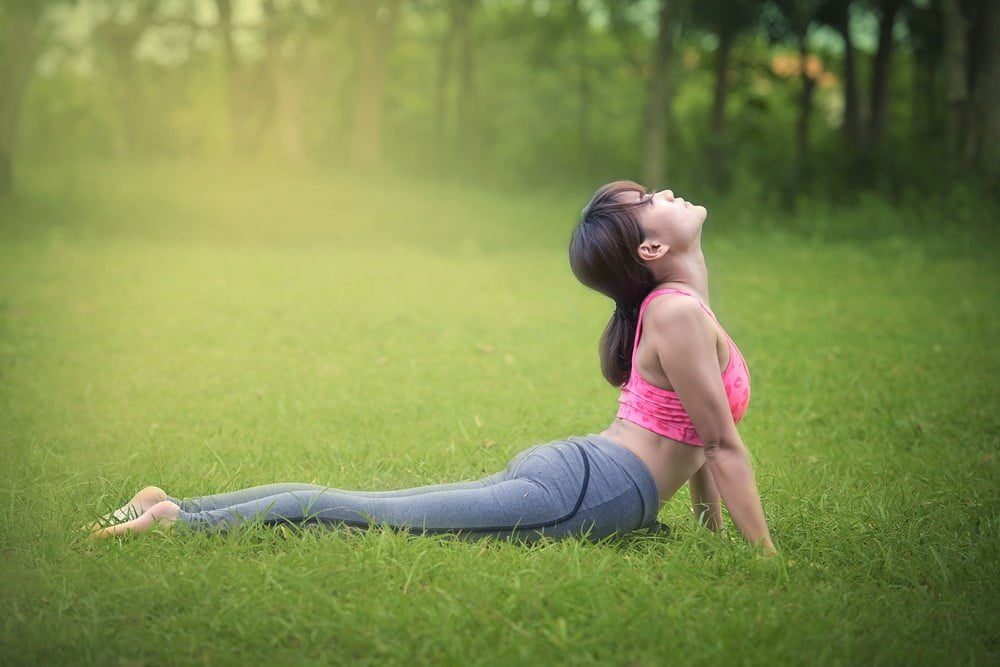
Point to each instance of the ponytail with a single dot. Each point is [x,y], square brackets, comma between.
[616,347]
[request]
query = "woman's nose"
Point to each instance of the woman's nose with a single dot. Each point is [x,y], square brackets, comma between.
[667,194]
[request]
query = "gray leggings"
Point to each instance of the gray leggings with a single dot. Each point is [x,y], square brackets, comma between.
[583,485]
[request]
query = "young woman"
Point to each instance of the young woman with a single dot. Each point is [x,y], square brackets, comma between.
[684,386]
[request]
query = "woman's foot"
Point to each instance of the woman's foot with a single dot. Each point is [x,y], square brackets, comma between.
[133,509]
[164,513]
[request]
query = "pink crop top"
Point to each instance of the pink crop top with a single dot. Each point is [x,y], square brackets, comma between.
[660,410]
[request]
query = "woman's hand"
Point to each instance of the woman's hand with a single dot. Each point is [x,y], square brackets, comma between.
[766,551]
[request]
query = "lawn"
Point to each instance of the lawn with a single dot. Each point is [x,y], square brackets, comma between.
[204,330]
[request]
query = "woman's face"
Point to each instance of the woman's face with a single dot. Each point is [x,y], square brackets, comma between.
[671,220]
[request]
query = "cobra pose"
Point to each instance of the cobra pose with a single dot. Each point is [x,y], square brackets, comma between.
[684,386]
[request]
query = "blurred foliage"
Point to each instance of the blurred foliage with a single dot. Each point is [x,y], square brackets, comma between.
[520,92]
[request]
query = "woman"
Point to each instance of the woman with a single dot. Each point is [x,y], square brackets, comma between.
[684,386]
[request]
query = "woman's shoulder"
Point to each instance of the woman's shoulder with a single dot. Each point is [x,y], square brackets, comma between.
[664,307]
[676,316]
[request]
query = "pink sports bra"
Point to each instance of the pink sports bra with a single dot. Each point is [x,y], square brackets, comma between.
[660,410]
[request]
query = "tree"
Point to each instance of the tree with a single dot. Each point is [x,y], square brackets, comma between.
[117,35]
[925,42]
[837,14]
[466,107]
[658,100]
[22,41]
[286,32]
[655,72]
[376,30]
[727,19]
[563,40]
[794,20]
[985,149]
[224,9]
[881,68]
[444,66]
[972,75]
[578,26]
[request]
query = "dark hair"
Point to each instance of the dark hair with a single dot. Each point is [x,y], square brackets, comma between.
[602,255]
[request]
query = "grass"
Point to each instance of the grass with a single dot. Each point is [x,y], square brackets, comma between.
[205,331]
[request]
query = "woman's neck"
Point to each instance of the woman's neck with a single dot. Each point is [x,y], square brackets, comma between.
[688,273]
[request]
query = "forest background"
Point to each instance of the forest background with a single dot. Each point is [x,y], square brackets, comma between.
[772,101]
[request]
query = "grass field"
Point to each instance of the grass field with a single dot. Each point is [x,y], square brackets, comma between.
[205,332]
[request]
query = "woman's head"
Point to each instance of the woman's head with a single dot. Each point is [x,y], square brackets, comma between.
[624,244]
[672,225]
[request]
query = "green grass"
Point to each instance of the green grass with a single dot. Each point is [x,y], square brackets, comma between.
[206,331]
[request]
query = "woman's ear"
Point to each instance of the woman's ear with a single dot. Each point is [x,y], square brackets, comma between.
[650,250]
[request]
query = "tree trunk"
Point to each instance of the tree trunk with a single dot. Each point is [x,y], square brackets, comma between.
[802,147]
[284,66]
[288,113]
[119,39]
[443,78]
[721,90]
[934,111]
[982,147]
[583,84]
[921,81]
[15,72]
[375,32]
[955,29]
[657,104]
[881,68]
[236,130]
[716,146]
[852,104]
[466,104]
[128,137]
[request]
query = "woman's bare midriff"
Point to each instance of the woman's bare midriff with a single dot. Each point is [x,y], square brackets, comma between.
[671,463]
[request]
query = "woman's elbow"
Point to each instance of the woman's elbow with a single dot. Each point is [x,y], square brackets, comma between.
[720,446]
[711,448]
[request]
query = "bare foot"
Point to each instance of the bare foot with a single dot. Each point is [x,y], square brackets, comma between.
[133,509]
[164,513]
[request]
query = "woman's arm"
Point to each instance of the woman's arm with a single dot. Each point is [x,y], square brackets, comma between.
[686,345]
[705,501]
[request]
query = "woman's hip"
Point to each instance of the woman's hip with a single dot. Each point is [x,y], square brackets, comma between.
[593,484]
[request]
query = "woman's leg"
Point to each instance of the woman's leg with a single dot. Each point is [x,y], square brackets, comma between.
[496,503]
[230,498]
[502,507]
[507,506]
[219,500]
[287,503]
[574,487]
